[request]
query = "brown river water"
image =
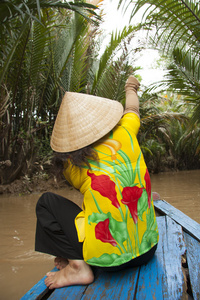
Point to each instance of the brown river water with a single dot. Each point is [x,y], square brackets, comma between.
[21,267]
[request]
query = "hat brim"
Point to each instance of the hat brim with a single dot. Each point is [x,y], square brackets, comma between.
[82,120]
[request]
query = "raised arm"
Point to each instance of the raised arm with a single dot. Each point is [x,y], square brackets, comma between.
[132,101]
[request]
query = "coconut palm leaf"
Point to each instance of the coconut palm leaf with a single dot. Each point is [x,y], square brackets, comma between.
[9,50]
[175,22]
[176,34]
[77,55]
[184,73]
[13,12]
[67,63]
[101,77]
[33,64]
[4,102]
[184,77]
[17,8]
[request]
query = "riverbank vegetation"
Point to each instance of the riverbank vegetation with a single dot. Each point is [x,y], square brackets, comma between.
[49,47]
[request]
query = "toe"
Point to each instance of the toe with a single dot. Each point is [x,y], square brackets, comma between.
[50,274]
[51,286]
[47,282]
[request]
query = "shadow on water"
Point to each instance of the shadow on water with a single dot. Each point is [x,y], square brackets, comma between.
[21,267]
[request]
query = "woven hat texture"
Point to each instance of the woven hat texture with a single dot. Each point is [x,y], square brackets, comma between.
[82,120]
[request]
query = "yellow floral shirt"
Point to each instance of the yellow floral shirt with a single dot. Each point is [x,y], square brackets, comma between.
[118,220]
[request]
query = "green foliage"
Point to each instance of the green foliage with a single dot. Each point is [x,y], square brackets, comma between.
[49,47]
[16,16]
[174,29]
[170,129]
[32,62]
[45,55]
[167,137]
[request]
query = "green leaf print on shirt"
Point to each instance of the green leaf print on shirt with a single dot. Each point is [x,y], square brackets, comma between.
[97,217]
[150,237]
[151,224]
[110,259]
[117,229]
[142,205]
[115,177]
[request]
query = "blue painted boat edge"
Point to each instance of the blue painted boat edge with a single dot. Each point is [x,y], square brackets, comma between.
[38,289]
[189,225]
[193,261]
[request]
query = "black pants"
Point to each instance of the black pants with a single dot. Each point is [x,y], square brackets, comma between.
[56,233]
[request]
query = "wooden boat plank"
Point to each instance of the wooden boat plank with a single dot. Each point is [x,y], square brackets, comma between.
[113,285]
[173,248]
[106,286]
[71,292]
[193,260]
[162,277]
[38,290]
[150,283]
[190,226]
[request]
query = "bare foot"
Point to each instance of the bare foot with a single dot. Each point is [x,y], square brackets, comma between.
[60,262]
[77,272]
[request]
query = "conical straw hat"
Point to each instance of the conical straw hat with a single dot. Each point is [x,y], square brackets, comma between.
[83,119]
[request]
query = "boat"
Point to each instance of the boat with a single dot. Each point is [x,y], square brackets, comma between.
[172,274]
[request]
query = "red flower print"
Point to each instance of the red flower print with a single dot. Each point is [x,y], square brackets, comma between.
[102,233]
[105,187]
[148,187]
[131,195]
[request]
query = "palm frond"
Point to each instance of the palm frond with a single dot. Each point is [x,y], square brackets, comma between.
[110,51]
[16,8]
[4,101]
[11,49]
[175,21]
[183,75]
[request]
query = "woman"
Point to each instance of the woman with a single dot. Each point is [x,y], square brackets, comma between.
[98,151]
